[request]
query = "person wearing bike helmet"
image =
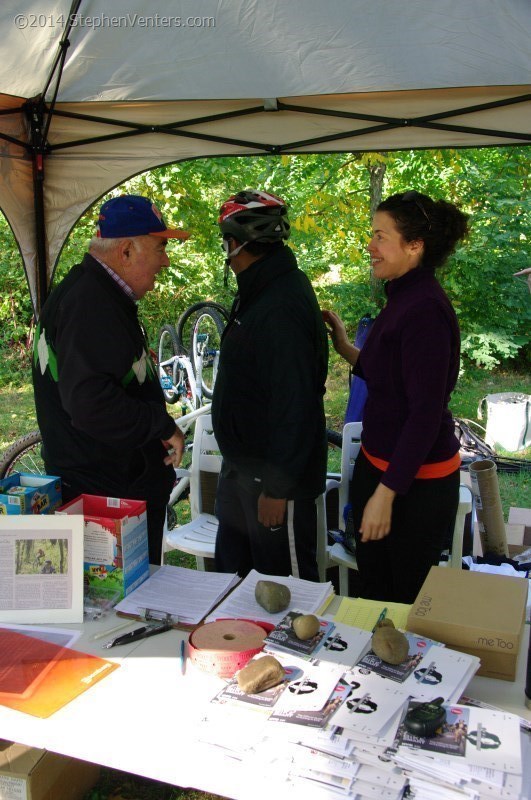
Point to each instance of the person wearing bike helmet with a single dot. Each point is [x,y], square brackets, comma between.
[267,407]
[99,403]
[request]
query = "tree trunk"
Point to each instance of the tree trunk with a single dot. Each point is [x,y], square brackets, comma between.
[376,173]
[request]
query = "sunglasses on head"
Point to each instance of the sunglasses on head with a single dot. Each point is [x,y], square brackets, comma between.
[413,197]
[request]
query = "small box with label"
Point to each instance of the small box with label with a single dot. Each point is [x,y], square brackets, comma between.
[115,542]
[22,493]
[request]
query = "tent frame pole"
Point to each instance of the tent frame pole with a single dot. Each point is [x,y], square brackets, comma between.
[35,116]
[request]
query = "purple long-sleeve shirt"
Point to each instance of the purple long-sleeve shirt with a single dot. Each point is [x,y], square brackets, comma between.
[410,362]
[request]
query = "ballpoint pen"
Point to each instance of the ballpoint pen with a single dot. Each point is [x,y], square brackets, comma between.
[139,633]
[382,616]
[109,631]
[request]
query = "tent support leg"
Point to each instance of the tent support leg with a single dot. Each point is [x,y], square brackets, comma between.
[35,117]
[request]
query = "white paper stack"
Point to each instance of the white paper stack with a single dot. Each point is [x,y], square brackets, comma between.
[476,751]
[307,596]
[333,731]
[187,594]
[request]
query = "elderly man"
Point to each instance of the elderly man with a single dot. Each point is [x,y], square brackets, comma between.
[100,407]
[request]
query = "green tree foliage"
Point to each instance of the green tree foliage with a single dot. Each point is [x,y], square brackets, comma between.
[330,200]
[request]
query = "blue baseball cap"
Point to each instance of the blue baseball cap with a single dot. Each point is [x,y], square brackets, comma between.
[133,215]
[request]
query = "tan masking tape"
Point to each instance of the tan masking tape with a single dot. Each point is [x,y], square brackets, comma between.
[225,646]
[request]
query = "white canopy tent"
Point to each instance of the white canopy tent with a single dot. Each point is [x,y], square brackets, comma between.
[132,85]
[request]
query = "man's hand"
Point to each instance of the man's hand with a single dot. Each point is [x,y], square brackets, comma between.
[175,448]
[376,520]
[271,511]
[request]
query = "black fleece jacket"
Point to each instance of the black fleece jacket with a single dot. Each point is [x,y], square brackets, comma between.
[267,408]
[99,404]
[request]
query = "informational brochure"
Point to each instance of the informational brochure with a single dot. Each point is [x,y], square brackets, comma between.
[41,569]
[284,638]
[344,645]
[372,702]
[482,737]
[418,647]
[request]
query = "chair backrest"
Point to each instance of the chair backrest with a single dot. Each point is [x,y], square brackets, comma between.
[351,446]
[206,458]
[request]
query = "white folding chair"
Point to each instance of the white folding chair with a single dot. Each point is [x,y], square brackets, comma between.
[336,554]
[331,555]
[198,537]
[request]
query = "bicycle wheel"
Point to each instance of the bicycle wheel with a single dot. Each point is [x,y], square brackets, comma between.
[168,375]
[186,321]
[184,328]
[24,455]
[205,342]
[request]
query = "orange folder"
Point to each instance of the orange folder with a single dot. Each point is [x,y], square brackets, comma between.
[39,677]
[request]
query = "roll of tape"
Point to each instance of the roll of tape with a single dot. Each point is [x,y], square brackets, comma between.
[225,646]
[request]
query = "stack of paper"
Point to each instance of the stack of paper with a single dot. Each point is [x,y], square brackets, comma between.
[332,729]
[186,594]
[475,750]
[430,670]
[308,596]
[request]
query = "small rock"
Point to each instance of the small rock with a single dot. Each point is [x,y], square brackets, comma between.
[272,596]
[261,674]
[306,626]
[390,645]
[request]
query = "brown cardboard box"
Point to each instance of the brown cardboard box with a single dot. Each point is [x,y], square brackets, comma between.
[36,774]
[474,612]
[516,540]
[521,516]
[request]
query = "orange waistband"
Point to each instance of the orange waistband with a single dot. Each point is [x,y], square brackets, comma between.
[439,469]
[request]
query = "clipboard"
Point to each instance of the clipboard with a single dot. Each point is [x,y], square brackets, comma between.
[176,595]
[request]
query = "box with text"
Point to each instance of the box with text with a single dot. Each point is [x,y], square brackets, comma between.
[474,612]
[22,493]
[31,773]
[115,542]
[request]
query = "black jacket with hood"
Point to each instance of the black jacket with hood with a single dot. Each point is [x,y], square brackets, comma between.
[267,409]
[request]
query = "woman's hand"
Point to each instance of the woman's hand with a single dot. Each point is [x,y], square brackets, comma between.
[376,520]
[338,334]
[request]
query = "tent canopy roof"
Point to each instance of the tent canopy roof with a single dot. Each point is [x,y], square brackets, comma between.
[140,85]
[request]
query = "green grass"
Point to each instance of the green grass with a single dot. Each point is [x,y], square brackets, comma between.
[17,416]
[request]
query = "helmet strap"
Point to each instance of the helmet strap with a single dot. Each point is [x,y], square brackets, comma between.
[232,253]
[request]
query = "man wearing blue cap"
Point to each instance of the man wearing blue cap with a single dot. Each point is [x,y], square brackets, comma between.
[99,404]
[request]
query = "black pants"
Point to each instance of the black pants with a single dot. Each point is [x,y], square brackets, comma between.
[243,543]
[394,568]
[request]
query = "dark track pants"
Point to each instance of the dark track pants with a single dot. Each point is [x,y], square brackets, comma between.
[243,543]
[394,568]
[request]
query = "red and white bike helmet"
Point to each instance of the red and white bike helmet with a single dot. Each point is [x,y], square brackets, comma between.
[254,216]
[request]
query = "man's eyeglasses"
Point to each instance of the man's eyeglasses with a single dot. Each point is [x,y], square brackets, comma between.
[413,197]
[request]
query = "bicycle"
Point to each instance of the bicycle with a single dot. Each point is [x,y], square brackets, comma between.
[24,455]
[201,327]
[188,374]
[177,376]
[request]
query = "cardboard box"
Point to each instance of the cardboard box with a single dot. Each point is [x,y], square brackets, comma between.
[115,542]
[517,541]
[474,612]
[22,493]
[521,516]
[35,774]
